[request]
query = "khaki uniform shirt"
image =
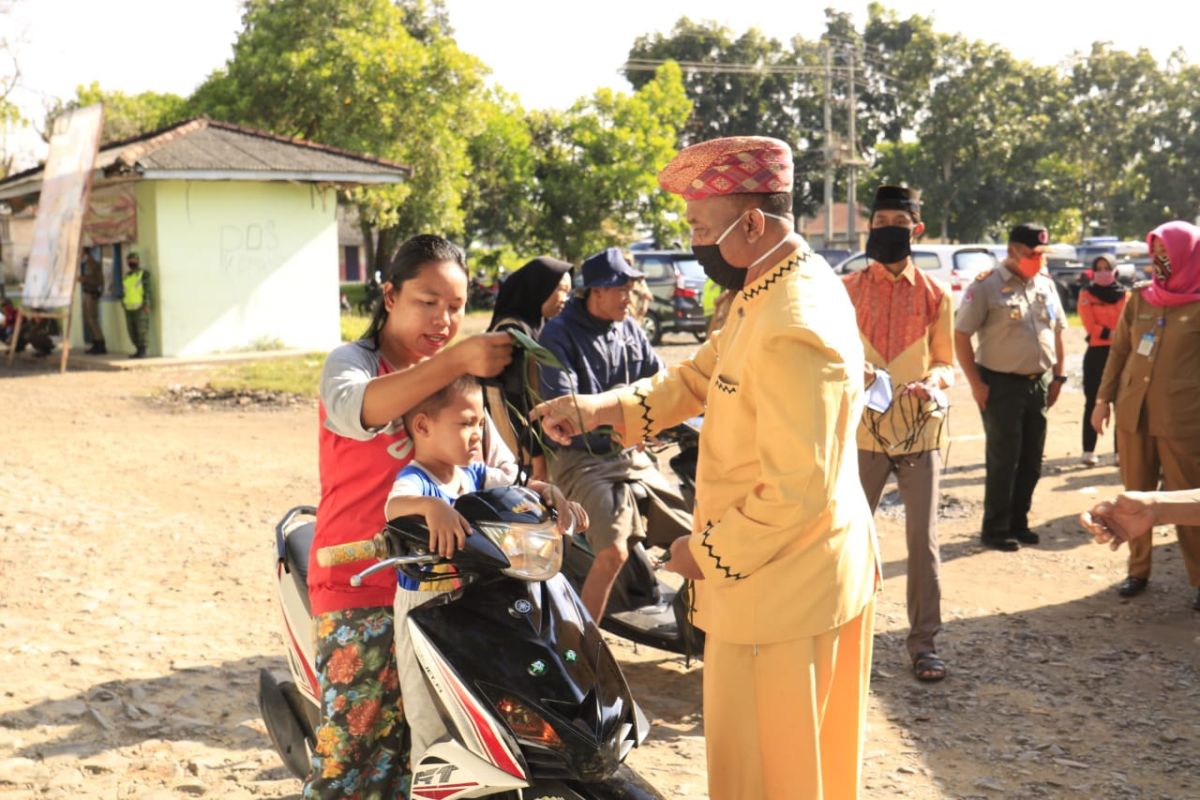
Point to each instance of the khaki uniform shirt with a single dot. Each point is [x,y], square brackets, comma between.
[92,280]
[1153,369]
[781,531]
[1015,321]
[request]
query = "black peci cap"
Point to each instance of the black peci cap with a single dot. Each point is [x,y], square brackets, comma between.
[900,198]
[1030,235]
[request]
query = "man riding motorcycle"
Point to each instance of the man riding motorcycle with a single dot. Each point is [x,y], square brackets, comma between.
[602,348]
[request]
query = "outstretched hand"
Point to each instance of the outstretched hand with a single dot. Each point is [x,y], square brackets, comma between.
[1124,519]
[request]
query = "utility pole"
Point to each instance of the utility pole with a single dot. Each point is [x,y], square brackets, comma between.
[828,144]
[852,162]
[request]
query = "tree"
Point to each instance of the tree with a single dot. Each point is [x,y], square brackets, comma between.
[10,74]
[598,163]
[371,76]
[787,106]
[498,201]
[125,115]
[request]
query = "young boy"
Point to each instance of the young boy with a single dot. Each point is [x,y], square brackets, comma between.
[447,434]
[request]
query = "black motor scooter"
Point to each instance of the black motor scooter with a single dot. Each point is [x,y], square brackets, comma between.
[642,607]
[534,702]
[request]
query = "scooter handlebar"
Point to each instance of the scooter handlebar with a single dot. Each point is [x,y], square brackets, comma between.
[364,550]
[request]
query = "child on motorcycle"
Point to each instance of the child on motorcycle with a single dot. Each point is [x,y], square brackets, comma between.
[447,431]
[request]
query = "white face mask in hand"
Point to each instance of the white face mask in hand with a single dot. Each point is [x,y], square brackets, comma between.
[879,393]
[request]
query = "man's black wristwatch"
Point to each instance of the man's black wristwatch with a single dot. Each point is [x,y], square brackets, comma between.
[1059,379]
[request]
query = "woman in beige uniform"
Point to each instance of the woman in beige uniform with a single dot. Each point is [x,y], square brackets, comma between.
[1153,374]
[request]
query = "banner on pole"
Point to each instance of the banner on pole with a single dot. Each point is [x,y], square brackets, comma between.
[66,179]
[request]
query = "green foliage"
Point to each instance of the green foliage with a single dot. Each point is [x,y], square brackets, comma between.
[497,203]
[372,76]
[125,115]
[598,164]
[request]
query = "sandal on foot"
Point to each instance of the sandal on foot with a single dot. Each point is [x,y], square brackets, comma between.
[928,668]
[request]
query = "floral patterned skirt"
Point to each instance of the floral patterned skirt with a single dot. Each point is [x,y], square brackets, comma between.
[362,742]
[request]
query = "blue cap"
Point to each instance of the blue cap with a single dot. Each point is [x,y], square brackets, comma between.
[608,268]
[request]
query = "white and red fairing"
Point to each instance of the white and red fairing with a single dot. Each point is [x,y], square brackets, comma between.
[488,764]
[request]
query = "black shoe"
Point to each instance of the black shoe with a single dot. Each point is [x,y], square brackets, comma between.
[1026,537]
[1196,602]
[1132,587]
[1004,544]
[136,354]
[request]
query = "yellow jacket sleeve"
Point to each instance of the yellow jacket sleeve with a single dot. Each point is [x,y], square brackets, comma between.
[670,397]
[941,344]
[804,414]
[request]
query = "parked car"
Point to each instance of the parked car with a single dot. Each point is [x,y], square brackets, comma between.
[834,255]
[676,280]
[955,264]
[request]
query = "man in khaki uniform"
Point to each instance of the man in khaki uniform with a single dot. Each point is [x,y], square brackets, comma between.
[782,549]
[1153,375]
[1016,374]
[91,281]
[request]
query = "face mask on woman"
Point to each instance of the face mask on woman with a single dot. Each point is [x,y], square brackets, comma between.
[1104,278]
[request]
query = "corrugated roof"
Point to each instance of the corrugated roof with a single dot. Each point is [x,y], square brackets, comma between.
[211,147]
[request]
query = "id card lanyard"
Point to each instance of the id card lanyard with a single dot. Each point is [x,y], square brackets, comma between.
[1149,339]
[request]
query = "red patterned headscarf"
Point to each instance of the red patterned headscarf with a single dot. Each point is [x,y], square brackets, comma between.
[732,165]
[1182,286]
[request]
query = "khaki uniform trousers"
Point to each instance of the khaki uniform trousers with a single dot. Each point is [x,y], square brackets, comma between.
[1143,458]
[91,317]
[917,478]
[785,721]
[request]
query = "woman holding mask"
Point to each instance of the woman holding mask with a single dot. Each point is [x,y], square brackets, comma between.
[1153,374]
[1100,306]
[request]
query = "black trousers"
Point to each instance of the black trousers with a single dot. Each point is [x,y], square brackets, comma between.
[1015,424]
[1093,370]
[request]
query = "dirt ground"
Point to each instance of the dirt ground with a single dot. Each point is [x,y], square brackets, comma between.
[136,608]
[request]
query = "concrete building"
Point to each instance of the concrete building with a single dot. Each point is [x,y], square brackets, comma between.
[237,227]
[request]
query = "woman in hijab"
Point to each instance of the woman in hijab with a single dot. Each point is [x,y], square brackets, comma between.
[1100,306]
[527,298]
[1153,374]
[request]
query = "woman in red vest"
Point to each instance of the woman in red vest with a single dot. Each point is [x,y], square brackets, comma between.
[1100,306]
[366,386]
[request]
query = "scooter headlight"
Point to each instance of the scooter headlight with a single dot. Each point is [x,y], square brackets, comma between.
[534,551]
[527,724]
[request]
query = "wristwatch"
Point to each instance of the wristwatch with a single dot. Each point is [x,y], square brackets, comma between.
[1059,379]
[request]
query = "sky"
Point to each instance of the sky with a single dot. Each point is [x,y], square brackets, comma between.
[548,52]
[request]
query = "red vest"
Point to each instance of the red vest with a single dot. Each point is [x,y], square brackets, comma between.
[356,477]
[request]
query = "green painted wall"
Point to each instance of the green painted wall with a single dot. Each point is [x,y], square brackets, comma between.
[235,265]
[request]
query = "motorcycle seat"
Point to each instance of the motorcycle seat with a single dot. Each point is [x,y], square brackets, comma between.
[298,543]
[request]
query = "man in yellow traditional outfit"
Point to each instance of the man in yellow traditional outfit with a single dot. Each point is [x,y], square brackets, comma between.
[783,549]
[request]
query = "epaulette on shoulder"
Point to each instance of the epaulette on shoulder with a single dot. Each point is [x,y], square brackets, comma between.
[983,275]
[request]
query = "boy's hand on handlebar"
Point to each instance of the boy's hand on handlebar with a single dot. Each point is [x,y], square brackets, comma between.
[448,529]
[484,355]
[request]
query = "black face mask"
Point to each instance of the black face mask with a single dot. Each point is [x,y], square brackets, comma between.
[721,272]
[889,245]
